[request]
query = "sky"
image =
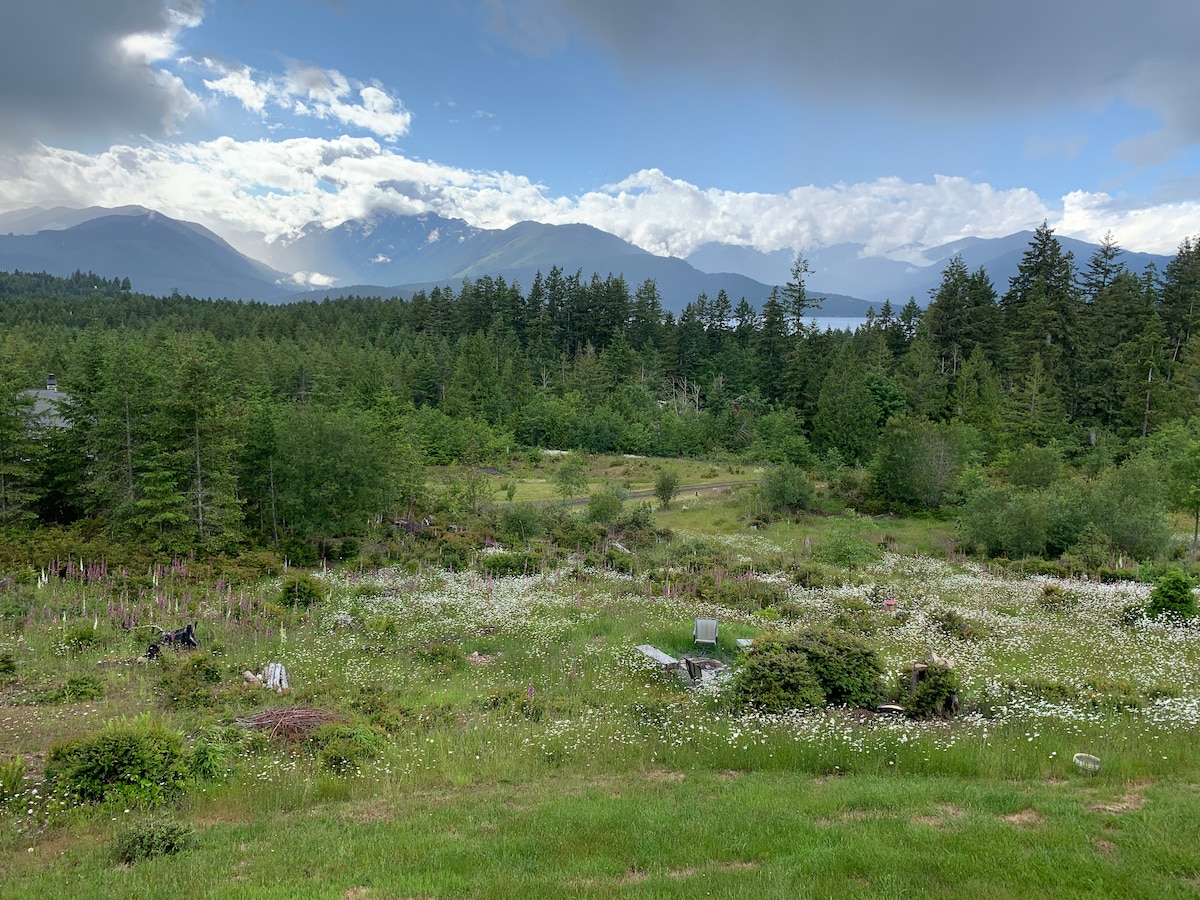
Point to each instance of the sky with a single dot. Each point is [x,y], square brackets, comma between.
[772,124]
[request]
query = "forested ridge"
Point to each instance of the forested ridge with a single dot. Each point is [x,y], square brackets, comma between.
[1055,414]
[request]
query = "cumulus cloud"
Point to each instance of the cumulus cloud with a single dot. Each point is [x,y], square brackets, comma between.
[1157,228]
[311,91]
[73,68]
[935,58]
[256,191]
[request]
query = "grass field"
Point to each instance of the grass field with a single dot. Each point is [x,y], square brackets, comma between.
[513,743]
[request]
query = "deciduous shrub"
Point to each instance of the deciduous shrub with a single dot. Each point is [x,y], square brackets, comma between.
[155,837]
[300,590]
[666,486]
[500,564]
[84,687]
[605,505]
[520,522]
[139,761]
[8,668]
[1173,595]
[786,489]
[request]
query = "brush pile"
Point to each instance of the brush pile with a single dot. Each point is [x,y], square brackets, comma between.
[289,723]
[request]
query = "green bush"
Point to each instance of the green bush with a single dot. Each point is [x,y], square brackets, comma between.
[786,489]
[8,668]
[210,755]
[746,593]
[846,668]
[78,688]
[341,747]
[1173,595]
[188,684]
[954,625]
[12,778]
[446,657]
[155,837]
[666,486]
[84,637]
[84,687]
[300,590]
[500,564]
[604,506]
[1054,599]
[936,694]
[845,547]
[520,522]
[139,761]
[774,677]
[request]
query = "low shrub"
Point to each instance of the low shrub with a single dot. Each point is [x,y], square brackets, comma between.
[84,687]
[8,668]
[341,747]
[155,837]
[936,694]
[446,657]
[188,684]
[501,564]
[748,594]
[1054,599]
[1173,595]
[955,625]
[83,637]
[520,522]
[300,591]
[12,778]
[605,505]
[774,677]
[846,668]
[855,617]
[136,761]
[514,703]
[813,576]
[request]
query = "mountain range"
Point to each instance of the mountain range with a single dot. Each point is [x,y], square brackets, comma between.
[394,255]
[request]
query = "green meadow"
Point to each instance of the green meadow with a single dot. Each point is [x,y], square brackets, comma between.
[488,735]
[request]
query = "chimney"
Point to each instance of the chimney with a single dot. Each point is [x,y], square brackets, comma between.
[51,383]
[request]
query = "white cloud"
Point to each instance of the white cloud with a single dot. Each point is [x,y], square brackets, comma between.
[250,191]
[1157,228]
[313,279]
[314,92]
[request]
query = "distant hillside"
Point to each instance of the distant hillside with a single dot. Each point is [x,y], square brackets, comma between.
[410,252]
[841,268]
[158,255]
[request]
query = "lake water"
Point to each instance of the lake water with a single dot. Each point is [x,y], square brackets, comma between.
[838,323]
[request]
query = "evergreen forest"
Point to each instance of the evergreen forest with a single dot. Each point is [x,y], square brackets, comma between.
[1058,414]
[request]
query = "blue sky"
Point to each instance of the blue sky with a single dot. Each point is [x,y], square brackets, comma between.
[769,123]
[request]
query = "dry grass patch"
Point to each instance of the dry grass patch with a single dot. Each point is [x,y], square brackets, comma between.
[947,812]
[1024,818]
[369,813]
[664,775]
[1128,803]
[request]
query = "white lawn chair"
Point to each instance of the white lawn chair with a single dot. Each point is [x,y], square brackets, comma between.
[705,631]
